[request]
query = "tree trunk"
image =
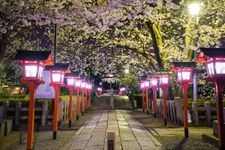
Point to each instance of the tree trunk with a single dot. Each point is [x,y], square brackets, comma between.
[156,40]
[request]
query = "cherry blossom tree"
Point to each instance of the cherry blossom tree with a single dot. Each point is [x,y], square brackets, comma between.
[106,36]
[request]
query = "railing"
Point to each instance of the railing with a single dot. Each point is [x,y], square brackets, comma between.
[174,110]
[43,113]
[197,115]
[203,115]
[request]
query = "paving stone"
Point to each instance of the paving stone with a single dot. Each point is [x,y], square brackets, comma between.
[129,134]
[100,147]
[128,145]
[78,145]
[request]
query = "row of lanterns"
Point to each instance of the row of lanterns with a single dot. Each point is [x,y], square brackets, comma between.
[34,63]
[214,59]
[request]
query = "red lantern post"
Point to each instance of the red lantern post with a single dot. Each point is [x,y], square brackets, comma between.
[89,95]
[147,85]
[57,80]
[83,84]
[77,86]
[154,85]
[184,78]
[164,83]
[86,96]
[215,66]
[71,78]
[33,65]
[142,87]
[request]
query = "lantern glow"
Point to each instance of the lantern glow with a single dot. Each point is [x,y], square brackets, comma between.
[77,83]
[99,89]
[219,64]
[142,85]
[164,80]
[146,84]
[153,82]
[57,76]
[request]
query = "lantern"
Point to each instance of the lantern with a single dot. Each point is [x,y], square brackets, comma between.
[122,90]
[83,86]
[77,86]
[146,84]
[153,82]
[77,83]
[164,80]
[33,65]
[57,80]
[214,59]
[154,85]
[70,82]
[184,77]
[164,83]
[146,87]
[142,87]
[184,71]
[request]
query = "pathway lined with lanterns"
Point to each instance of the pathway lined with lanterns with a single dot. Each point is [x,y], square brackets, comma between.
[129,133]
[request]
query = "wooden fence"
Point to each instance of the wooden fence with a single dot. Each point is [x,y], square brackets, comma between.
[43,113]
[174,110]
[197,115]
[203,115]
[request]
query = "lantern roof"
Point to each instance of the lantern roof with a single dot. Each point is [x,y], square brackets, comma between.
[213,52]
[210,52]
[163,73]
[179,64]
[73,74]
[32,55]
[59,67]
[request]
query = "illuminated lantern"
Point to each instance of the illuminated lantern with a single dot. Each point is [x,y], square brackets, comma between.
[77,87]
[154,85]
[70,82]
[164,79]
[99,91]
[142,87]
[214,59]
[57,80]
[184,78]
[33,63]
[147,86]
[83,89]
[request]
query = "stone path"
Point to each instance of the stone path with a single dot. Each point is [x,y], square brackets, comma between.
[129,134]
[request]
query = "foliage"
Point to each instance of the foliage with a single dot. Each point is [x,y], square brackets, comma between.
[99,37]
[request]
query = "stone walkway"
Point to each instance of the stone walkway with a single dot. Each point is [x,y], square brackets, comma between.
[129,134]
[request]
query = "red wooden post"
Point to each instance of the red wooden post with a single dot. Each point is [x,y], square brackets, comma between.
[30,130]
[164,87]
[147,105]
[83,103]
[78,104]
[70,106]
[86,100]
[89,95]
[185,112]
[154,101]
[143,100]
[219,111]
[55,113]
